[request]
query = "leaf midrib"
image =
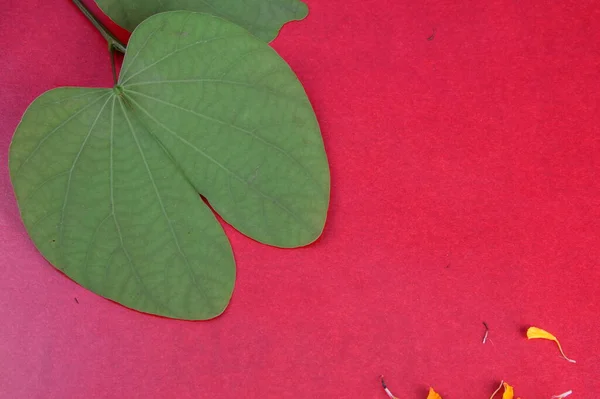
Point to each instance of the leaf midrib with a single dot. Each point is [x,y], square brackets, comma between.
[208,301]
[117,226]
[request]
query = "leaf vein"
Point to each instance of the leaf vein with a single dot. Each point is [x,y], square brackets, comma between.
[42,184]
[47,136]
[117,226]
[164,212]
[180,50]
[252,133]
[273,200]
[226,82]
[142,47]
[61,224]
[89,247]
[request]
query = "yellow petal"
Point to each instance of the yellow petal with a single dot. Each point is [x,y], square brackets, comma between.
[534,332]
[538,333]
[433,394]
[508,392]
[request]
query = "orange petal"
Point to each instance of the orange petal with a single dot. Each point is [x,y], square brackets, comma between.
[508,392]
[538,333]
[433,394]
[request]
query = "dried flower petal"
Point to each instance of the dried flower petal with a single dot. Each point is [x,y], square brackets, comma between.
[534,332]
[562,395]
[538,333]
[508,392]
[433,394]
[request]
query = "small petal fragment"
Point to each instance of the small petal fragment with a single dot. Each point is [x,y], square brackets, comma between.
[538,333]
[433,394]
[508,392]
[562,395]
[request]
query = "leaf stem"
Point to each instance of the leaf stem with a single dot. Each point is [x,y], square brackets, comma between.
[110,38]
[111,50]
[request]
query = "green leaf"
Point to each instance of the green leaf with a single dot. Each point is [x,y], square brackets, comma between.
[107,180]
[264,18]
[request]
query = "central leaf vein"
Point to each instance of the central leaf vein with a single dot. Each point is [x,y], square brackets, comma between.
[164,212]
[114,214]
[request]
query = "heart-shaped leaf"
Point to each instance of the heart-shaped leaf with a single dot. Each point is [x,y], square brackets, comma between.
[107,180]
[264,18]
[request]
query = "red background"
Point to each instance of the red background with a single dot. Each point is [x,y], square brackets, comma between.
[465,188]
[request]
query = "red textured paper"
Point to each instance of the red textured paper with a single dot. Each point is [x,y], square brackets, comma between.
[465,188]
